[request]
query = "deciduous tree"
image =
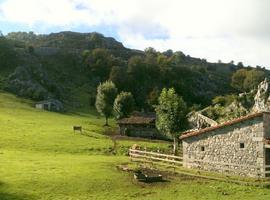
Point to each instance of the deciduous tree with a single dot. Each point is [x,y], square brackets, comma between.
[123,105]
[100,62]
[106,93]
[171,113]
[246,79]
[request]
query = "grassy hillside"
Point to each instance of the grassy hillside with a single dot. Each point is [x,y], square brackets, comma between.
[41,158]
[26,128]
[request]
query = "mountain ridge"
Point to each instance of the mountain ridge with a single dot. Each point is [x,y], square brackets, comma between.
[71,61]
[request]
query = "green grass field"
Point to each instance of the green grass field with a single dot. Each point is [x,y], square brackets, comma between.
[41,158]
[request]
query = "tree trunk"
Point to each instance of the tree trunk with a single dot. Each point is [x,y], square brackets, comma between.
[175,145]
[106,124]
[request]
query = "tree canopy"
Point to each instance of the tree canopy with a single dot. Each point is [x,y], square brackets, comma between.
[247,79]
[171,112]
[100,62]
[106,93]
[123,105]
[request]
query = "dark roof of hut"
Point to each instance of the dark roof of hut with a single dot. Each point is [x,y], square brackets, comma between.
[49,101]
[139,118]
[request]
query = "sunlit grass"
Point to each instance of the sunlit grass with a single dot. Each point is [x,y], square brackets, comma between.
[42,158]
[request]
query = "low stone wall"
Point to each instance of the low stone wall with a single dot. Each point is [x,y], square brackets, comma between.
[237,149]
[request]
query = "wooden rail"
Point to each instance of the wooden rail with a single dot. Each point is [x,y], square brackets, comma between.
[147,156]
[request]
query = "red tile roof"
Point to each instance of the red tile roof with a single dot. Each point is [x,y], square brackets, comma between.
[192,133]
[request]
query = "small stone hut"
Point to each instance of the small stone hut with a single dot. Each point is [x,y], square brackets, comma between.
[50,105]
[237,147]
[139,125]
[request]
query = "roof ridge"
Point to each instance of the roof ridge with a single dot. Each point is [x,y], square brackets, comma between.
[228,123]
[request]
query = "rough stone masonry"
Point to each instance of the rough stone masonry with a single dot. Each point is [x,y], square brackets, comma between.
[236,147]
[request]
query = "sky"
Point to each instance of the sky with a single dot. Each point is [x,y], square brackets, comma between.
[225,30]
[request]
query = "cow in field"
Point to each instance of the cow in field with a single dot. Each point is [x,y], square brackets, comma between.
[77,128]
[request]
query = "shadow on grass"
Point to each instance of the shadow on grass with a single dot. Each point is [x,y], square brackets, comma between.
[4,195]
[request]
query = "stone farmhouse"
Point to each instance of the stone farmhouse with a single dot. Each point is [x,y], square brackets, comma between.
[50,105]
[139,124]
[237,147]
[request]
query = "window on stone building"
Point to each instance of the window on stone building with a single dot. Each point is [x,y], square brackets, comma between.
[202,148]
[242,145]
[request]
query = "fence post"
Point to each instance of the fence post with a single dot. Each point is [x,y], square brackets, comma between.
[130,156]
[145,159]
[152,162]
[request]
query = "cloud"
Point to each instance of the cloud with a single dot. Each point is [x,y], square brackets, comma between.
[213,29]
[49,12]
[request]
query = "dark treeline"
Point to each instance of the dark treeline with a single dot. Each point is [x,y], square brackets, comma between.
[196,80]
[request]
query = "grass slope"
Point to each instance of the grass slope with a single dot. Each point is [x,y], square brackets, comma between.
[41,158]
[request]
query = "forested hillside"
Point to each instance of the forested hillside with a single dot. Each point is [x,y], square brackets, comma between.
[69,66]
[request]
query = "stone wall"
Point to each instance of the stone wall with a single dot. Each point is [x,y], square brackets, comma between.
[141,131]
[266,119]
[197,121]
[220,150]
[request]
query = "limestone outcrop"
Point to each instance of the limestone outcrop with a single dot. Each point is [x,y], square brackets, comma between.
[240,105]
[32,82]
[262,97]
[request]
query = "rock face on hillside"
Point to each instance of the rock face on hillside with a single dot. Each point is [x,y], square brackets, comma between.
[32,82]
[243,104]
[262,97]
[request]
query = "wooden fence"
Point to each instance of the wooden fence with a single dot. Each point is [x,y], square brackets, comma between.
[154,157]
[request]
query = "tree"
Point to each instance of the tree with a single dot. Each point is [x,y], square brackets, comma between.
[151,69]
[136,68]
[31,49]
[150,50]
[100,62]
[96,40]
[136,73]
[152,98]
[171,113]
[238,79]
[123,105]
[240,65]
[118,76]
[178,58]
[168,53]
[85,54]
[245,79]
[106,93]
[254,77]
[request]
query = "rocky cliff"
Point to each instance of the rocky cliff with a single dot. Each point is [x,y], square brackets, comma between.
[262,97]
[255,101]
